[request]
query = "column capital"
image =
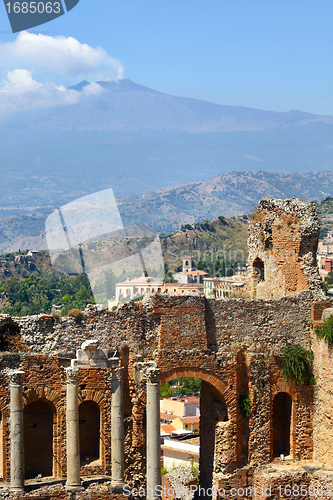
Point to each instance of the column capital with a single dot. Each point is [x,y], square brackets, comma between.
[72,375]
[16,377]
[147,372]
[152,376]
[117,373]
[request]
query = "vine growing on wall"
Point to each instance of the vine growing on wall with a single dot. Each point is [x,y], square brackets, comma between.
[297,364]
[325,331]
[245,405]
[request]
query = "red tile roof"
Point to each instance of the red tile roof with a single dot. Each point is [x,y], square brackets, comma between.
[190,420]
[167,428]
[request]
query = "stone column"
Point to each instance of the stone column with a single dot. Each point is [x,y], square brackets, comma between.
[153,433]
[16,432]
[73,482]
[117,432]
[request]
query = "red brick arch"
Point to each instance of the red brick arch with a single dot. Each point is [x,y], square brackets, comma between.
[205,375]
[92,395]
[42,393]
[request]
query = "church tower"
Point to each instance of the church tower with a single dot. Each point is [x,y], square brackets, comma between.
[188,264]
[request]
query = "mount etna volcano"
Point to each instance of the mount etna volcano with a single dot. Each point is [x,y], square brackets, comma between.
[134,139]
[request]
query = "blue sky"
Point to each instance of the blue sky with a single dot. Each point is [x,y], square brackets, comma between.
[272,54]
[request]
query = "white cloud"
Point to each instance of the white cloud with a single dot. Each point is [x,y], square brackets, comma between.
[64,56]
[92,89]
[44,59]
[20,92]
[19,81]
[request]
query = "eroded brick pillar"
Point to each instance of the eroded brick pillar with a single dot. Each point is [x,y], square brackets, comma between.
[117,432]
[16,432]
[73,482]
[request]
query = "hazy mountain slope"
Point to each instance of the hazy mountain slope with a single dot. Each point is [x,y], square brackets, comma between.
[65,166]
[230,193]
[166,209]
[125,105]
[135,139]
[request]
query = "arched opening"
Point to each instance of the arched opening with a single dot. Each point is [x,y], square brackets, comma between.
[89,430]
[259,278]
[38,439]
[259,269]
[282,406]
[213,428]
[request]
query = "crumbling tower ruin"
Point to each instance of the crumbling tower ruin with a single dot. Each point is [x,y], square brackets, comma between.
[283,240]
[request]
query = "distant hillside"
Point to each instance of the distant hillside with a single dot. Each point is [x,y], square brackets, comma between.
[29,285]
[230,193]
[224,239]
[166,209]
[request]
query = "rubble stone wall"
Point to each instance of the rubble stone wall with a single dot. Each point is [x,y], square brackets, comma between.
[282,244]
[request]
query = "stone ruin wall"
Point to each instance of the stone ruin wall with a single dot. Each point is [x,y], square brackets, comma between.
[283,239]
[234,346]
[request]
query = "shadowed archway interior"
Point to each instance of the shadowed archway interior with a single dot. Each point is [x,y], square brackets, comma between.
[38,439]
[89,430]
[282,405]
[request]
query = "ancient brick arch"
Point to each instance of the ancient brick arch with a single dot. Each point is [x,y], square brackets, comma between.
[56,400]
[89,430]
[204,375]
[92,395]
[217,407]
[43,393]
[282,423]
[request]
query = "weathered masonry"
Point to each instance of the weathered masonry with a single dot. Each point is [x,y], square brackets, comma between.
[72,408]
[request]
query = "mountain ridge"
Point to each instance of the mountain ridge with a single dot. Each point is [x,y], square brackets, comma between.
[166,209]
[123,105]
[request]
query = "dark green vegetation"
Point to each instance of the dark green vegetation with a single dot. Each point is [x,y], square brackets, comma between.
[325,331]
[244,403]
[33,286]
[37,294]
[297,364]
[185,386]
